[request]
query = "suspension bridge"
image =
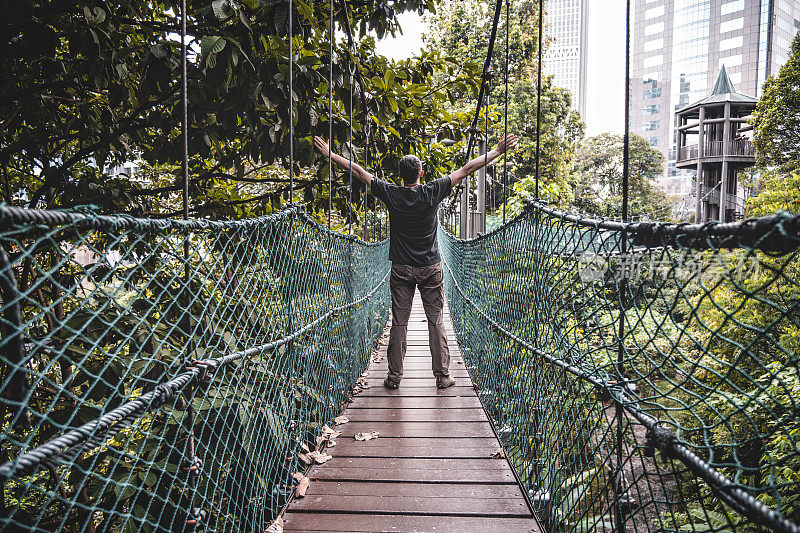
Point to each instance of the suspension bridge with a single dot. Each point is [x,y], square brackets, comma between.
[599,394]
[188,374]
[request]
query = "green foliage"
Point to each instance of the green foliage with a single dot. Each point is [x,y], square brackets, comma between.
[599,173]
[562,131]
[461,29]
[776,119]
[94,84]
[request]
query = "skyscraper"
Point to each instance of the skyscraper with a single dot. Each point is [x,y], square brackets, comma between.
[678,49]
[567,28]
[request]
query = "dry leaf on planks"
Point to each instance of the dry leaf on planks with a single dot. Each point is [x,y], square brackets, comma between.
[319,457]
[276,526]
[302,485]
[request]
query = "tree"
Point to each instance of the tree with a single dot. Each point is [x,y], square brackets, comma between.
[776,120]
[600,166]
[562,131]
[91,83]
[461,29]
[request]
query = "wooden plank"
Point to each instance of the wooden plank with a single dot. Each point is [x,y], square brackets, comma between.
[419,392]
[413,463]
[418,429]
[417,490]
[414,475]
[427,383]
[413,504]
[404,523]
[427,449]
[416,415]
[416,372]
[419,402]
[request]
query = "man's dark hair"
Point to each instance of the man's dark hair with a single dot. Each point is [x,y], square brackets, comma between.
[409,168]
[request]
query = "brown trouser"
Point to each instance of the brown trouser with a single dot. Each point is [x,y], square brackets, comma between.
[402,282]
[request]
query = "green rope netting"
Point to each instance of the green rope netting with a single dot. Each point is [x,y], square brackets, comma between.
[642,377]
[162,375]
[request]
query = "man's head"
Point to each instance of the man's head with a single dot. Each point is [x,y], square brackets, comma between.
[410,169]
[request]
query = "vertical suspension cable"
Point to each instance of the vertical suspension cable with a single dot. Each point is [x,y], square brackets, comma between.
[350,153]
[366,162]
[539,99]
[291,103]
[330,115]
[485,154]
[618,483]
[505,115]
[190,467]
[185,115]
[626,138]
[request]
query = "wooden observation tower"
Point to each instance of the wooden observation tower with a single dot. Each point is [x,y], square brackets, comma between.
[713,139]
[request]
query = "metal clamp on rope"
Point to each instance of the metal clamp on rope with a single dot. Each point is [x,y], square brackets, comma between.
[207,368]
[197,517]
[193,466]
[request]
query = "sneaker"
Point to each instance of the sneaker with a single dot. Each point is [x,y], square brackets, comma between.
[390,384]
[444,381]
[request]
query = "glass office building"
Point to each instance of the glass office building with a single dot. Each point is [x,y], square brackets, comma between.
[566,23]
[678,48]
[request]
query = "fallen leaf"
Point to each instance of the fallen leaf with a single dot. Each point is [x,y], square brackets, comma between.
[356,390]
[319,457]
[305,448]
[498,455]
[331,443]
[302,485]
[341,420]
[276,526]
[328,433]
[305,458]
[367,435]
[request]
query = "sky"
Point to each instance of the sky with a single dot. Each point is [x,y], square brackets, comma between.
[605,97]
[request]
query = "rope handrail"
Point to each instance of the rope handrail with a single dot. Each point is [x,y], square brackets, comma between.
[49,452]
[701,316]
[773,233]
[662,438]
[115,334]
[87,218]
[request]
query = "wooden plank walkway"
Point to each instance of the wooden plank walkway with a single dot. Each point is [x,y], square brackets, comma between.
[431,469]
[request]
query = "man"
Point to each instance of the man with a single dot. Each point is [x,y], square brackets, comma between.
[414,251]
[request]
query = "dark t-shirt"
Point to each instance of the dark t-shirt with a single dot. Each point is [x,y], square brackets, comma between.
[412,219]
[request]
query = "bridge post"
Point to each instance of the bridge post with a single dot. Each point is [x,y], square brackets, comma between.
[479,225]
[463,222]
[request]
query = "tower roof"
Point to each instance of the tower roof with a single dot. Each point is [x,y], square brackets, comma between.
[723,91]
[724,83]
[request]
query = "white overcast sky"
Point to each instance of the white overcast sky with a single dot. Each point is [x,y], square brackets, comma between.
[605,97]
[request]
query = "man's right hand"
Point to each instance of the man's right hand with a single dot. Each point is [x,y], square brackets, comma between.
[322,146]
[506,143]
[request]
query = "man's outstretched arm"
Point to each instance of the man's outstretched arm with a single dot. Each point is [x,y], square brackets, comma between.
[357,170]
[505,144]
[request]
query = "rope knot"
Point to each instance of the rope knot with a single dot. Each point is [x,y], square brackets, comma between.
[162,394]
[661,438]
